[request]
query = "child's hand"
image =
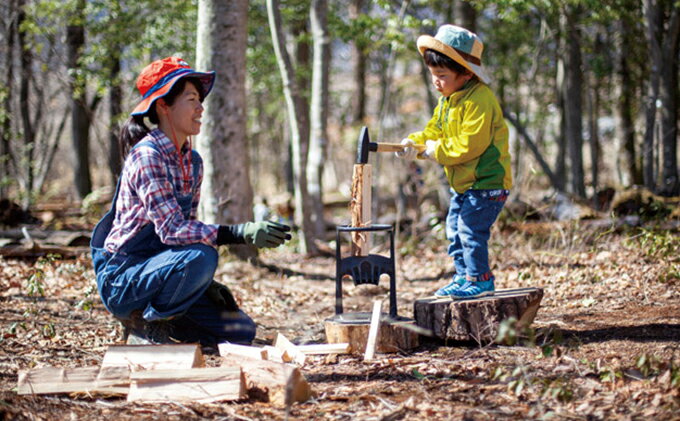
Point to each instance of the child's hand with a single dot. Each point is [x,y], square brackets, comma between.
[409,152]
[430,145]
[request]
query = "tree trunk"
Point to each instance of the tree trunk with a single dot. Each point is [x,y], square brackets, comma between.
[227,195]
[26,61]
[561,140]
[6,126]
[465,15]
[624,107]
[318,144]
[297,116]
[668,94]
[80,120]
[115,111]
[573,98]
[359,60]
[653,20]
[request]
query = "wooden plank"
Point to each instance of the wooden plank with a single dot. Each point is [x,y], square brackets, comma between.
[373,331]
[202,385]
[286,346]
[323,349]
[477,319]
[154,357]
[268,381]
[360,208]
[242,350]
[48,380]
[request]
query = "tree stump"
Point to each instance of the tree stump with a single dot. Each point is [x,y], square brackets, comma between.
[476,319]
[392,336]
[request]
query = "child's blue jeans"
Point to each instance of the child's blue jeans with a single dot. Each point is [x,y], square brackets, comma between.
[468,228]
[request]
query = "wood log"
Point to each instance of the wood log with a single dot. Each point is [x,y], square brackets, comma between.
[477,319]
[267,381]
[154,357]
[360,208]
[203,385]
[393,336]
[89,380]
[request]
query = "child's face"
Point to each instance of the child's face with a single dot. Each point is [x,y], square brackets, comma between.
[446,81]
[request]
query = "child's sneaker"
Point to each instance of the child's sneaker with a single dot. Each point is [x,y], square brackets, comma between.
[445,291]
[473,290]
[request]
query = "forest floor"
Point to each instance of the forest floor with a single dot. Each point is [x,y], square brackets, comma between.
[605,343]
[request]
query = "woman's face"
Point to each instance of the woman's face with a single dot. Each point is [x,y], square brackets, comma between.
[184,115]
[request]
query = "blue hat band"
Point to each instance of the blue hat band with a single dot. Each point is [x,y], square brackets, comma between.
[165,79]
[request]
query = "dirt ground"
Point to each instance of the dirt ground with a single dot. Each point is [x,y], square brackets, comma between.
[604,345]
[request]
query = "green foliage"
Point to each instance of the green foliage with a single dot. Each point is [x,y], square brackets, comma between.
[656,244]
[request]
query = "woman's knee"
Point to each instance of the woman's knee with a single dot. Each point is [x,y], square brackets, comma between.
[202,261]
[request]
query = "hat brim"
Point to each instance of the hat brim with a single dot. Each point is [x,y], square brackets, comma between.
[207,80]
[426,42]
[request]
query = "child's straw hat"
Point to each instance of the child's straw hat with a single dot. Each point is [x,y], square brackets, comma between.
[460,45]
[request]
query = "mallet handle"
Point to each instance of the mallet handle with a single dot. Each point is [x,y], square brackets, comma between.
[397,147]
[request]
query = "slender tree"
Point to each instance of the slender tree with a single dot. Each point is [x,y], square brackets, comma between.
[318,143]
[227,195]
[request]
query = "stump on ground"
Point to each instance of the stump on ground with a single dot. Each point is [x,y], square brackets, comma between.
[392,336]
[476,319]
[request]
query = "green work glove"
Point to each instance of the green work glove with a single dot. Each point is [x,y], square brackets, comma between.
[265,233]
[220,295]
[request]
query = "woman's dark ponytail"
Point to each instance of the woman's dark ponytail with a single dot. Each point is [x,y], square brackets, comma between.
[132,132]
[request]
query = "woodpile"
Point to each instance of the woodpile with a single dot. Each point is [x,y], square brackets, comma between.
[177,373]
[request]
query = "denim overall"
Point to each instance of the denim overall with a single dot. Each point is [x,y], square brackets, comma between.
[164,281]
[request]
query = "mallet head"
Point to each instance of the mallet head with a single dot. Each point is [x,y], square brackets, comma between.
[364,146]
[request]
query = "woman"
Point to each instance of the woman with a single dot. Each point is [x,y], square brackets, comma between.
[153,259]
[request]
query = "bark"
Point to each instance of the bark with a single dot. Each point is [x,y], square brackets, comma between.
[465,15]
[297,117]
[115,111]
[6,126]
[668,94]
[318,144]
[477,319]
[227,195]
[652,17]
[80,117]
[561,140]
[624,108]
[26,61]
[573,88]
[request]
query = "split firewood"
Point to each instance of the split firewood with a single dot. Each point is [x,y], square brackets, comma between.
[290,349]
[268,381]
[373,331]
[154,357]
[88,380]
[243,351]
[203,385]
[324,349]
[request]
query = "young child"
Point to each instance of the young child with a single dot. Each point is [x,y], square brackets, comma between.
[468,136]
[153,258]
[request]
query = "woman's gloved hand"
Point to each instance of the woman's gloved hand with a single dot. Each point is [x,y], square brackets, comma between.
[265,233]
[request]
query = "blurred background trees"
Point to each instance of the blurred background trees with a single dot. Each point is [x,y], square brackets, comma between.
[590,89]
